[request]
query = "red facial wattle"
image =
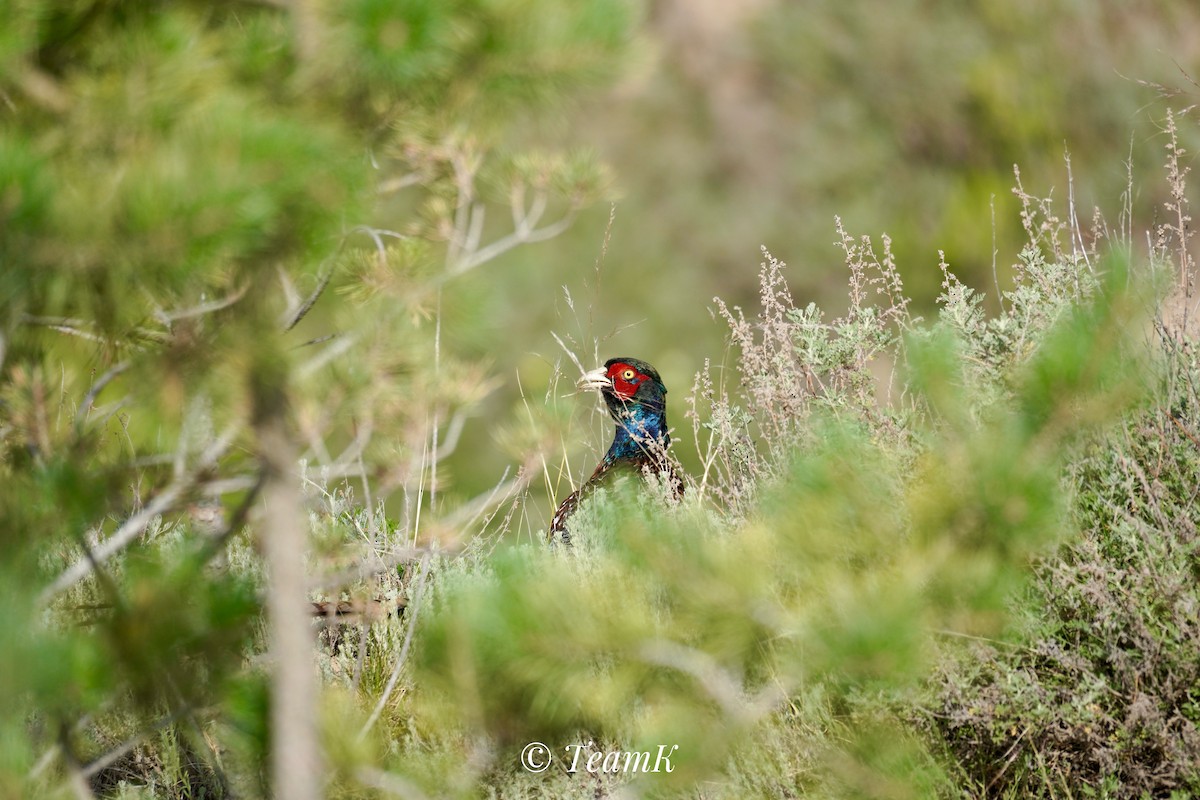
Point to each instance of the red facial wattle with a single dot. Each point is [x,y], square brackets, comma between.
[625,380]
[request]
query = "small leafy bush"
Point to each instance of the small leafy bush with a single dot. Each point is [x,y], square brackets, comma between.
[1097,686]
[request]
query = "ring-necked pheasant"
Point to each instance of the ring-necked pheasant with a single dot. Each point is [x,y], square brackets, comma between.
[637,402]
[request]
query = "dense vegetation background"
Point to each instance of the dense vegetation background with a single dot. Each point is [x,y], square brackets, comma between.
[292,296]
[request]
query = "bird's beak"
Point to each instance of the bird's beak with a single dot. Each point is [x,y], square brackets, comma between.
[596,379]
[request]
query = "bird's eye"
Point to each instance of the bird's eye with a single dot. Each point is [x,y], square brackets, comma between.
[628,375]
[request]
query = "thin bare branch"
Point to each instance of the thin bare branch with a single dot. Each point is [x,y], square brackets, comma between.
[523,235]
[89,399]
[1078,247]
[465,168]
[166,500]
[571,355]
[41,87]
[475,229]
[339,346]
[291,295]
[76,779]
[468,512]
[225,486]
[392,185]
[167,317]
[534,216]
[112,756]
[73,327]
[453,434]
[376,235]
[722,687]
[376,565]
[237,520]
[294,317]
[389,782]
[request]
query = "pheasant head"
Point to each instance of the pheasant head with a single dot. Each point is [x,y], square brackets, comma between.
[637,402]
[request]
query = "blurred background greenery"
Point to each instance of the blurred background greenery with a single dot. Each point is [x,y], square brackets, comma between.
[712,128]
[397,223]
[739,123]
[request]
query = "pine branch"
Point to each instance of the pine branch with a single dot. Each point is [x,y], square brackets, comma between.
[165,501]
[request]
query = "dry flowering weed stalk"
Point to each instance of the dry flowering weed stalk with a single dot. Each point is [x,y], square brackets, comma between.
[790,362]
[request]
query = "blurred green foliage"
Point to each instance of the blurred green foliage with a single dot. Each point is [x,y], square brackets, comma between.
[194,229]
[811,615]
[754,122]
[355,215]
